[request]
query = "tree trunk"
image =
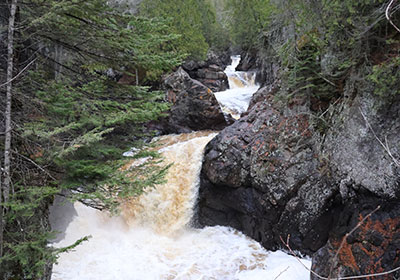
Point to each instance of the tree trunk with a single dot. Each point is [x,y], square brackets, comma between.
[7,145]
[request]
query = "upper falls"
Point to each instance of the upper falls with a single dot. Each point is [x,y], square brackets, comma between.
[242,86]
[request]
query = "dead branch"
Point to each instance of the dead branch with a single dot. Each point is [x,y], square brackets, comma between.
[334,261]
[298,259]
[337,254]
[280,273]
[35,164]
[16,76]
[385,147]
[387,13]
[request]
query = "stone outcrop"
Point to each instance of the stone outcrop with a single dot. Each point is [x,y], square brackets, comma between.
[263,176]
[262,63]
[356,151]
[363,152]
[194,106]
[273,174]
[372,248]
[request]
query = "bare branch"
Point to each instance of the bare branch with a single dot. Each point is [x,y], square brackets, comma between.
[35,164]
[385,147]
[388,15]
[337,253]
[334,261]
[280,273]
[298,259]
[19,74]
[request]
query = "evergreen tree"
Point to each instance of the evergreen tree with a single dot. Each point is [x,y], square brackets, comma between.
[248,19]
[195,20]
[73,115]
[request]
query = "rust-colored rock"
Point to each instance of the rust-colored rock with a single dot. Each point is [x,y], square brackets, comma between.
[374,247]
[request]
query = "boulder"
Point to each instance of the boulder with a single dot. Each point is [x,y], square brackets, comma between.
[194,106]
[209,72]
[275,173]
[312,170]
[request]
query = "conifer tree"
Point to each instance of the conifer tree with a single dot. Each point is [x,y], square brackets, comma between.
[73,116]
[249,18]
[186,19]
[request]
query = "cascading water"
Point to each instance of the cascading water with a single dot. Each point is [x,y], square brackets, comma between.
[242,86]
[152,238]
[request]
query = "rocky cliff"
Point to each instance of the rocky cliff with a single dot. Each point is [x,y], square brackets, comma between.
[285,170]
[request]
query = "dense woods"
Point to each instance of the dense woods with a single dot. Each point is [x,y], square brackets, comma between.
[80,79]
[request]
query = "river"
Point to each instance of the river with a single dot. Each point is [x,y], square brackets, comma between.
[153,237]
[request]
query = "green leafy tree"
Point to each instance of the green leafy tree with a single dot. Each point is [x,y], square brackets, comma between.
[83,112]
[213,29]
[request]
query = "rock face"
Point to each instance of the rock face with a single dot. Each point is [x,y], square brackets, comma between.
[368,175]
[263,176]
[373,247]
[194,105]
[260,62]
[356,151]
[272,174]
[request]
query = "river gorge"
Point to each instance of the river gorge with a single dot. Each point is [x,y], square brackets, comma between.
[154,237]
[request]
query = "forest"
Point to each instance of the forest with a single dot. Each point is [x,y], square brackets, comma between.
[80,82]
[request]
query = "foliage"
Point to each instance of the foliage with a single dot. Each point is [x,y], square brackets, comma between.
[195,20]
[81,115]
[330,39]
[29,256]
[100,38]
[216,35]
[248,20]
[385,77]
[74,117]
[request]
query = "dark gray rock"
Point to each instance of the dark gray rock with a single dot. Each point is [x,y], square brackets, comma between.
[262,175]
[194,105]
[271,174]
[363,150]
[210,72]
[372,248]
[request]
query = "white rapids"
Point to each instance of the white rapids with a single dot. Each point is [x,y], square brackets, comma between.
[152,238]
[242,86]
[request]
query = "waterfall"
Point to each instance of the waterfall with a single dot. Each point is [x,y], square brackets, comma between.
[242,86]
[168,208]
[152,238]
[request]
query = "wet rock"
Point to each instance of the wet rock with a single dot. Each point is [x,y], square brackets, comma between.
[247,61]
[272,174]
[263,172]
[209,72]
[194,105]
[263,63]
